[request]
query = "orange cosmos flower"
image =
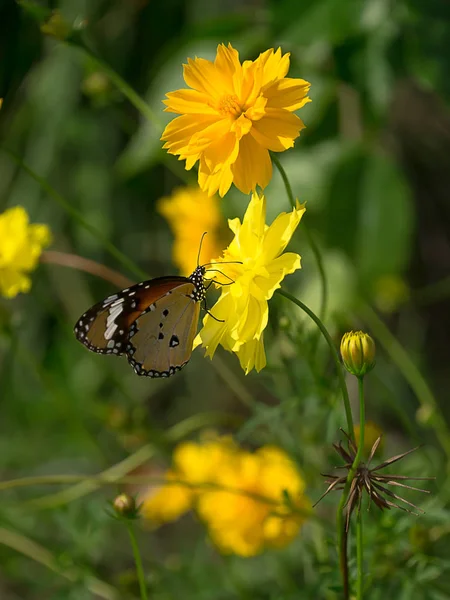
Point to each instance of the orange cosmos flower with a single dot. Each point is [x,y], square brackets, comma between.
[233,115]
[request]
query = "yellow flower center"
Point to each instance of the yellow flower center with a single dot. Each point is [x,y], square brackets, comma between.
[229,106]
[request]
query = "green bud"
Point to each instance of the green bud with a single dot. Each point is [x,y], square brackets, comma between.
[358,352]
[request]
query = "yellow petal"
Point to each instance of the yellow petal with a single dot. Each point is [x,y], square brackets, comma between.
[252,167]
[209,182]
[277,270]
[13,282]
[274,64]
[188,102]
[280,232]
[288,93]
[277,130]
[202,75]
[227,63]
[252,356]
[179,132]
[222,152]
[212,133]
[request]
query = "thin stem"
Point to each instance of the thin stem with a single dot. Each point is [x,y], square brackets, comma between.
[310,239]
[341,528]
[334,354]
[138,561]
[285,178]
[359,555]
[359,523]
[74,261]
[73,212]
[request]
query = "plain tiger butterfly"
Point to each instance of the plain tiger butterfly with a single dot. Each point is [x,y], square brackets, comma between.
[154,323]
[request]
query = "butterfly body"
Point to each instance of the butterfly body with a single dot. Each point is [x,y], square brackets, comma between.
[153,323]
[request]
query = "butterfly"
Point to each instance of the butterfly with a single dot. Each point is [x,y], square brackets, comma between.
[153,323]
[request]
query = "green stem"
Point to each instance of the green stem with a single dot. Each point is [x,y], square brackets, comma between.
[310,239]
[73,212]
[359,555]
[138,561]
[359,523]
[341,526]
[285,178]
[335,355]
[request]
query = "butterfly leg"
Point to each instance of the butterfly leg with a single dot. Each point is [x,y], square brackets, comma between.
[205,308]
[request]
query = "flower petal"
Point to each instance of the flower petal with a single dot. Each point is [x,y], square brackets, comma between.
[288,93]
[189,102]
[252,167]
[219,181]
[179,132]
[203,76]
[275,66]
[252,356]
[277,130]
[280,232]
[276,272]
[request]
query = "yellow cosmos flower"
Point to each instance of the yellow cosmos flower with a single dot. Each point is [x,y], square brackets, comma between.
[190,213]
[167,502]
[21,245]
[239,495]
[248,523]
[241,313]
[193,465]
[232,116]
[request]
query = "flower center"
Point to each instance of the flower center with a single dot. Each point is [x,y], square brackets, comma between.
[229,106]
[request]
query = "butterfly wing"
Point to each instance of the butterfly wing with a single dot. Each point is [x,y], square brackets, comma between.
[161,338]
[105,328]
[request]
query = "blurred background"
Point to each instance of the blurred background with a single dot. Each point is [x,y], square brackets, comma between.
[373,166]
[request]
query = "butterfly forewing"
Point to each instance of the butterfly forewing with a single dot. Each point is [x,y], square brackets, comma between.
[162,337]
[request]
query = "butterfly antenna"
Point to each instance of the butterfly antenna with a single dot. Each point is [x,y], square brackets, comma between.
[222,273]
[200,247]
[230,262]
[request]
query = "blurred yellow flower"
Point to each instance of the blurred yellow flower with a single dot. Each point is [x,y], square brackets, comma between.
[240,496]
[190,213]
[193,464]
[390,293]
[248,523]
[167,502]
[21,245]
[233,115]
[1,102]
[242,309]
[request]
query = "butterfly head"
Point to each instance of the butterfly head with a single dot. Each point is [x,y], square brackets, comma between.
[198,279]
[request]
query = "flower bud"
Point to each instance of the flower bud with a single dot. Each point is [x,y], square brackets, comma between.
[358,352]
[125,506]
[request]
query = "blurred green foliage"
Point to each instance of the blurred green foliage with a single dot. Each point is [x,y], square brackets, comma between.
[374,168]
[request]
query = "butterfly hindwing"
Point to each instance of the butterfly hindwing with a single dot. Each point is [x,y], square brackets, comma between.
[161,341]
[105,327]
